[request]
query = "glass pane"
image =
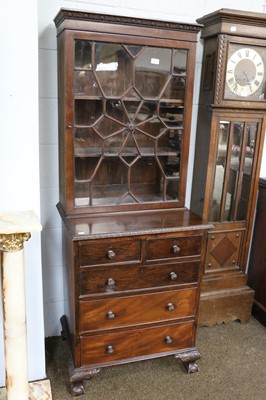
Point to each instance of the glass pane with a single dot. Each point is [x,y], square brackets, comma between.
[153,127]
[109,184]
[82,54]
[180,62]
[113,144]
[85,167]
[233,178]
[152,69]
[170,141]
[175,88]
[146,183]
[147,110]
[86,84]
[172,114]
[170,165]
[82,194]
[87,111]
[114,68]
[252,129]
[115,109]
[223,137]
[107,126]
[87,142]
[172,186]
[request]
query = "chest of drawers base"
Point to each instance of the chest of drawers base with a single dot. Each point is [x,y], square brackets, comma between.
[133,295]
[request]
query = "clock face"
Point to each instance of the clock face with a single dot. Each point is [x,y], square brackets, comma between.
[245,74]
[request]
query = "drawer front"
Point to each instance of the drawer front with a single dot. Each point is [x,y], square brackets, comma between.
[108,251]
[136,343]
[116,279]
[134,310]
[160,249]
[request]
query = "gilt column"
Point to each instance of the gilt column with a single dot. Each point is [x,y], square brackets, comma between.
[15,229]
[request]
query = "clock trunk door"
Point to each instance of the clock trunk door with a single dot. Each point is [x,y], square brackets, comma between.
[231,180]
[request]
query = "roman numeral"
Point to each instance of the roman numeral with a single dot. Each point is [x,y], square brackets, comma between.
[235,87]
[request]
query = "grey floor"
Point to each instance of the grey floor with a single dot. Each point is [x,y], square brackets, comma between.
[232,367]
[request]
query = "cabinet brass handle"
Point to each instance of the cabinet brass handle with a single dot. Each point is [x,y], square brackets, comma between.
[110,349]
[111,282]
[168,339]
[176,249]
[110,315]
[111,254]
[173,276]
[170,306]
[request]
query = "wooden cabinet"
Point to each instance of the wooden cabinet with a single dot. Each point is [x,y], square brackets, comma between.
[257,261]
[133,253]
[230,135]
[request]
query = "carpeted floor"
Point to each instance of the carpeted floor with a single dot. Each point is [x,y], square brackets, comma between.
[232,367]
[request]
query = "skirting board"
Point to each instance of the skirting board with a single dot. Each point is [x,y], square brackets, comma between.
[38,390]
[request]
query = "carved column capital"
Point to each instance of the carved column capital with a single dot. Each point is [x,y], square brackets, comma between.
[13,242]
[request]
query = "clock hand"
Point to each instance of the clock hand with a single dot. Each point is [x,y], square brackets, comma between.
[248,80]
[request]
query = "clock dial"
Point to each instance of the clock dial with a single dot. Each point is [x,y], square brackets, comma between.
[245,72]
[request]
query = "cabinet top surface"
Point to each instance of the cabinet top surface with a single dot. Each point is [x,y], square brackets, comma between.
[78,15]
[133,224]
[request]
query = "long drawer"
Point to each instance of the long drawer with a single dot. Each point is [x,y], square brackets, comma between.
[98,349]
[134,310]
[114,279]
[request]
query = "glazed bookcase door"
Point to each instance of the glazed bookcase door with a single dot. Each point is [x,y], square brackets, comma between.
[130,138]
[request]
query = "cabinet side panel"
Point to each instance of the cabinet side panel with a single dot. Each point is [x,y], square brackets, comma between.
[201,160]
[61,117]
[70,294]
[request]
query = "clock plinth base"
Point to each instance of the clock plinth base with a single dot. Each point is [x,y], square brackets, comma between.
[224,306]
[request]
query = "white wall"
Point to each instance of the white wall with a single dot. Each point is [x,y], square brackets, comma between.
[51,238]
[19,157]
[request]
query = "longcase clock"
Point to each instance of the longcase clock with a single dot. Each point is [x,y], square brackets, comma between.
[230,134]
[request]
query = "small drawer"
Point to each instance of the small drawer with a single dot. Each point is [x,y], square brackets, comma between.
[100,349]
[161,249]
[123,278]
[101,252]
[134,310]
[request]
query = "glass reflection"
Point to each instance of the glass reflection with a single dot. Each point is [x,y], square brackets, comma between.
[252,129]
[113,67]
[152,69]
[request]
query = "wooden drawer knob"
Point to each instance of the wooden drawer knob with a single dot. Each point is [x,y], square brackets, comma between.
[110,315]
[168,339]
[110,349]
[111,254]
[111,282]
[173,276]
[170,307]
[176,249]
